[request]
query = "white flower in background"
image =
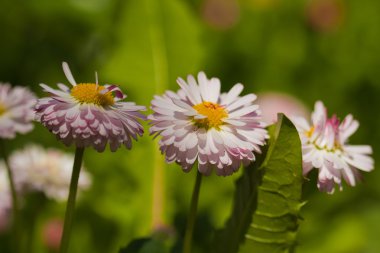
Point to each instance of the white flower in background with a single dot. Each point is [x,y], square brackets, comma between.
[5,193]
[48,171]
[89,114]
[325,147]
[16,110]
[199,124]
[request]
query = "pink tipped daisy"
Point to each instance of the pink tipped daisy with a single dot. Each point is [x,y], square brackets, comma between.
[325,147]
[16,110]
[199,124]
[89,114]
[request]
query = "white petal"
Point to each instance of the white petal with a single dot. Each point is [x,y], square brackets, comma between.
[246,100]
[68,74]
[233,94]
[243,111]
[359,149]
[214,90]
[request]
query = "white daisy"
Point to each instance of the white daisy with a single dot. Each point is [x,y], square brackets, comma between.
[89,114]
[199,124]
[47,171]
[325,147]
[16,110]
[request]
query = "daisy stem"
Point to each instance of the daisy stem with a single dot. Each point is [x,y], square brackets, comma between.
[15,207]
[71,201]
[192,214]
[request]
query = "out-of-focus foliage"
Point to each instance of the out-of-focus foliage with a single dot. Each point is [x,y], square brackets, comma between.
[143,45]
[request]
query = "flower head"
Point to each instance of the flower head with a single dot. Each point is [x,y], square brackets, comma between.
[90,114]
[16,110]
[48,171]
[198,123]
[325,147]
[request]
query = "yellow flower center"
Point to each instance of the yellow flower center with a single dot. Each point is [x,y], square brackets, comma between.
[310,132]
[90,93]
[214,114]
[2,109]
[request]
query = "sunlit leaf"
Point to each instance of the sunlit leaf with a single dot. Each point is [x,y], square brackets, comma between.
[267,198]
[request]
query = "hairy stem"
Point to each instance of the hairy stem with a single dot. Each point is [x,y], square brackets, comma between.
[192,214]
[65,240]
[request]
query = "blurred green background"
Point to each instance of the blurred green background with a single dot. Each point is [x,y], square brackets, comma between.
[325,50]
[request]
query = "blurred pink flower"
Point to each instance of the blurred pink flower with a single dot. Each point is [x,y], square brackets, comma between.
[16,110]
[4,220]
[325,147]
[89,114]
[272,103]
[221,14]
[198,123]
[52,233]
[325,15]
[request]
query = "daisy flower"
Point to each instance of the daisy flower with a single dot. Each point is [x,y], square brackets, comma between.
[89,114]
[325,147]
[16,110]
[47,171]
[199,124]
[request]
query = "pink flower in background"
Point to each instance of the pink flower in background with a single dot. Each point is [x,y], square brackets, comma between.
[221,14]
[45,170]
[325,15]
[89,114]
[16,110]
[4,220]
[198,123]
[325,147]
[52,233]
[272,103]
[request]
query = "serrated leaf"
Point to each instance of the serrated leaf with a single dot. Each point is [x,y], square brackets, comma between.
[267,198]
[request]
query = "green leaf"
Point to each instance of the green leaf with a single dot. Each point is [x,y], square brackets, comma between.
[267,200]
[156,42]
[146,245]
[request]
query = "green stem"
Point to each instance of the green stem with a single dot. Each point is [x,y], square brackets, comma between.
[192,214]
[71,201]
[15,206]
